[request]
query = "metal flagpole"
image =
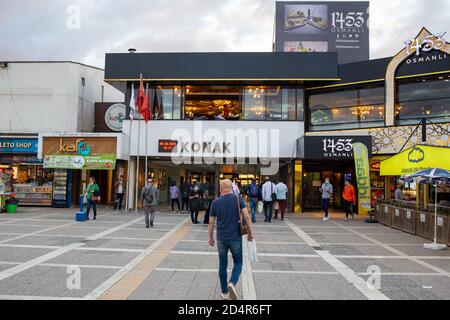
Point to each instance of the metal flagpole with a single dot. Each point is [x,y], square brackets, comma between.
[132,110]
[137,159]
[146,134]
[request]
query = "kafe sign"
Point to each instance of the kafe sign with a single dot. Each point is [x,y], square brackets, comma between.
[332,147]
[114,116]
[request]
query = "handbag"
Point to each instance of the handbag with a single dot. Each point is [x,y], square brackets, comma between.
[243,228]
[273,195]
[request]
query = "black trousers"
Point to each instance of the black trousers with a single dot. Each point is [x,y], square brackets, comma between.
[177,202]
[268,210]
[194,216]
[185,201]
[118,201]
[347,207]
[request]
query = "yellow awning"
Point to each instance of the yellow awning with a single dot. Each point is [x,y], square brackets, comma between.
[414,159]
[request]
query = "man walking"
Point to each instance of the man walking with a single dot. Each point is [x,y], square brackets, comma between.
[327,191]
[119,191]
[253,192]
[268,195]
[228,210]
[185,191]
[281,190]
[149,198]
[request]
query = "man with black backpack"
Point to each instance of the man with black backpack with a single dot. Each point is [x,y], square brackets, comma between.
[253,192]
[149,198]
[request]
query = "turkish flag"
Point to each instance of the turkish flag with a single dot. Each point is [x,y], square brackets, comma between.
[141,98]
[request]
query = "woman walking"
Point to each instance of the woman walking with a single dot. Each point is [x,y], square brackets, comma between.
[174,197]
[92,195]
[349,198]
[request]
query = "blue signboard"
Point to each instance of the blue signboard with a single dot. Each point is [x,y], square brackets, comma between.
[18,145]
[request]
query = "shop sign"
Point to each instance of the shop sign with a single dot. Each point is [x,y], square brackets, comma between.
[428,43]
[80,147]
[333,147]
[375,165]
[415,159]
[25,159]
[166,146]
[361,155]
[83,146]
[18,145]
[104,162]
[114,116]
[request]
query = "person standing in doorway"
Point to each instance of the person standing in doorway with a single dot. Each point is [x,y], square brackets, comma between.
[174,197]
[194,203]
[327,192]
[92,195]
[268,196]
[398,193]
[349,199]
[119,190]
[281,190]
[228,210]
[185,191]
[149,198]
[253,192]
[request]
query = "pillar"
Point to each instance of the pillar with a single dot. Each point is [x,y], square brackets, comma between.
[109,195]
[298,185]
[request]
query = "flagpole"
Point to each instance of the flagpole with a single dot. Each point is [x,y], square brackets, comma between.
[137,159]
[146,134]
[127,200]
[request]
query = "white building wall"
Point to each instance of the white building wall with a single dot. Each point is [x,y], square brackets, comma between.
[48,96]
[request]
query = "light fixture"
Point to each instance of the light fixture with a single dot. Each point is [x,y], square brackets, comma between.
[3,65]
[132,50]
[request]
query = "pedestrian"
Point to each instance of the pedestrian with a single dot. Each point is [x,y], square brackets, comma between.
[349,199]
[268,196]
[229,210]
[281,191]
[194,203]
[119,192]
[253,192]
[236,189]
[185,191]
[149,198]
[92,194]
[174,197]
[209,196]
[327,192]
[398,193]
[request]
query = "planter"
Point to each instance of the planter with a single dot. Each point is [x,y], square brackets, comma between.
[424,225]
[409,222]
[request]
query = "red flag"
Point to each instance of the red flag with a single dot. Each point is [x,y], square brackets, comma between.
[141,98]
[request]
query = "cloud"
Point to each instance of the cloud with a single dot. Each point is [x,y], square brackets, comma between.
[37,30]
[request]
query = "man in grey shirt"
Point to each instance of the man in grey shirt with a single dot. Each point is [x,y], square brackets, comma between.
[398,193]
[327,192]
[149,198]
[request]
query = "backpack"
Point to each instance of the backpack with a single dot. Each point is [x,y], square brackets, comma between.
[148,196]
[253,191]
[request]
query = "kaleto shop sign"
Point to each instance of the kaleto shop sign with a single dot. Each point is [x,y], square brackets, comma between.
[333,147]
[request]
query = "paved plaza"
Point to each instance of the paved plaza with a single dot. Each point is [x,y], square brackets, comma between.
[43,250]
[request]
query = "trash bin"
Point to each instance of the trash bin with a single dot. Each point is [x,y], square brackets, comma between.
[11,205]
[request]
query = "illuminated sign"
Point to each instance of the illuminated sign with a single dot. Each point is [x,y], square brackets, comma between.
[166,146]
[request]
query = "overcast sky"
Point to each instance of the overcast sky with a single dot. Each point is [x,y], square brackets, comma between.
[38,29]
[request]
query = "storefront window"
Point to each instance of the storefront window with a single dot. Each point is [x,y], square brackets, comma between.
[166,102]
[254,103]
[300,104]
[346,109]
[425,98]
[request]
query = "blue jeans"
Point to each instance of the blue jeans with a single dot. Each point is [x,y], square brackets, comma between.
[235,246]
[325,203]
[253,205]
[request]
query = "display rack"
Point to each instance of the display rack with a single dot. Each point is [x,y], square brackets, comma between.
[30,195]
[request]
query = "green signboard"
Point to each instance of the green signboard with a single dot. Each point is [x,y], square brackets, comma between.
[103,162]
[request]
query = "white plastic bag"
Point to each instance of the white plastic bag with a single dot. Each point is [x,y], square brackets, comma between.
[84,199]
[260,206]
[252,254]
[276,206]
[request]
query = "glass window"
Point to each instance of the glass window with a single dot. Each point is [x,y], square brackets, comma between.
[273,99]
[254,103]
[300,104]
[288,104]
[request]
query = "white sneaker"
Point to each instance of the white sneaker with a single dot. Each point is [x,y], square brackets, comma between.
[232,291]
[225,296]
[345,219]
[325,219]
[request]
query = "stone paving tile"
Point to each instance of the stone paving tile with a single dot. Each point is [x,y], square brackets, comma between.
[11,254]
[6,236]
[442,264]
[284,248]
[52,282]
[420,251]
[412,287]
[47,240]
[309,264]
[194,246]
[181,261]
[314,230]
[7,228]
[75,230]
[106,258]
[386,265]
[291,237]
[48,223]
[120,243]
[144,233]
[397,238]
[6,266]
[357,250]
[339,238]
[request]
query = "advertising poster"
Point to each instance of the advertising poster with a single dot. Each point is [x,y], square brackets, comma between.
[361,155]
[341,27]
[104,162]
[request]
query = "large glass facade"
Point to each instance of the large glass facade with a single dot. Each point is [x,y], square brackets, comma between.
[427,98]
[358,108]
